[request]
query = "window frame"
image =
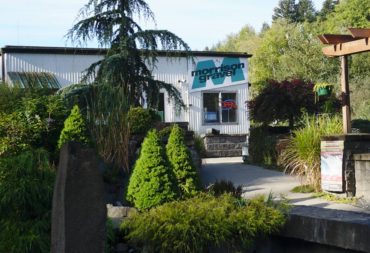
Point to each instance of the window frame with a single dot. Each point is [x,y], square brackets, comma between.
[220,108]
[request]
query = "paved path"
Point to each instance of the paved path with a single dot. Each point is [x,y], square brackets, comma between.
[256,181]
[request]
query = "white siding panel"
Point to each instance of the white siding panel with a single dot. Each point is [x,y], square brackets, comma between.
[68,69]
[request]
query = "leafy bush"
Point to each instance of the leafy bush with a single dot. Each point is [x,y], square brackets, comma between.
[282,101]
[165,132]
[74,128]
[202,224]
[362,125]
[302,155]
[151,182]
[221,187]
[262,146]
[26,190]
[199,145]
[141,120]
[181,162]
[34,121]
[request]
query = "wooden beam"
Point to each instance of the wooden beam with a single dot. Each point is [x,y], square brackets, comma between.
[345,95]
[353,47]
[335,38]
[360,32]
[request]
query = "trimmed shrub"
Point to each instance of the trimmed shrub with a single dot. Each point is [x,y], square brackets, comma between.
[26,190]
[151,182]
[203,224]
[141,120]
[74,128]
[181,162]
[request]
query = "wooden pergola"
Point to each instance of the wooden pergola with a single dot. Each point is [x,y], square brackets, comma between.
[343,46]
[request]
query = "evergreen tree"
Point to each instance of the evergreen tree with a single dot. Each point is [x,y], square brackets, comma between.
[327,7]
[182,163]
[286,9]
[295,12]
[305,11]
[151,182]
[74,128]
[132,51]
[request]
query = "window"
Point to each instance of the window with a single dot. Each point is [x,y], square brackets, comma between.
[34,80]
[220,107]
[211,108]
[229,108]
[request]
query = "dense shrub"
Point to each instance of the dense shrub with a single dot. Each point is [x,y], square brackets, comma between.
[74,129]
[221,187]
[302,154]
[202,224]
[362,125]
[26,189]
[199,145]
[262,146]
[165,132]
[151,182]
[141,120]
[181,163]
[34,120]
[282,101]
[11,98]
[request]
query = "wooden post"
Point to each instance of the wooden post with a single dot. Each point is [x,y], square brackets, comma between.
[345,95]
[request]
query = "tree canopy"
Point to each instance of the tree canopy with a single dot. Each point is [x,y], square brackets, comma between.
[132,51]
[295,12]
[289,49]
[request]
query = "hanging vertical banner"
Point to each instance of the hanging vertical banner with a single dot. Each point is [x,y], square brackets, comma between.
[332,165]
[211,73]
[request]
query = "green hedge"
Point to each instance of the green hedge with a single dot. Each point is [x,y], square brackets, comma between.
[203,224]
[262,146]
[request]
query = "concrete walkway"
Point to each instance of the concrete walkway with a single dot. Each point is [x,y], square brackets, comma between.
[256,181]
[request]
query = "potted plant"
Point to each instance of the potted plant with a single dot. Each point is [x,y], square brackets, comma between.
[322,89]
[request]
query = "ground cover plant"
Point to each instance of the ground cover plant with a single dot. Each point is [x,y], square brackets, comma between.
[181,163]
[335,198]
[152,180]
[203,223]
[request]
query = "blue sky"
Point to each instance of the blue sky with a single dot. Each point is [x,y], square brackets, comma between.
[200,23]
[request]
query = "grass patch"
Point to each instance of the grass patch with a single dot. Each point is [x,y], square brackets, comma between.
[333,198]
[303,189]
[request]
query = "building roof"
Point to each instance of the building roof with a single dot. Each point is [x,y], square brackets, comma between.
[103,51]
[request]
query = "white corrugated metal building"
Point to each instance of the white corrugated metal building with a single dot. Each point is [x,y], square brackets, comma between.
[214,85]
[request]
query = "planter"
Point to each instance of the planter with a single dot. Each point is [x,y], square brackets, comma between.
[323,91]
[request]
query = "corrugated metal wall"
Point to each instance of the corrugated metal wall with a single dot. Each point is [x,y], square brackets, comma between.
[176,71]
[67,68]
